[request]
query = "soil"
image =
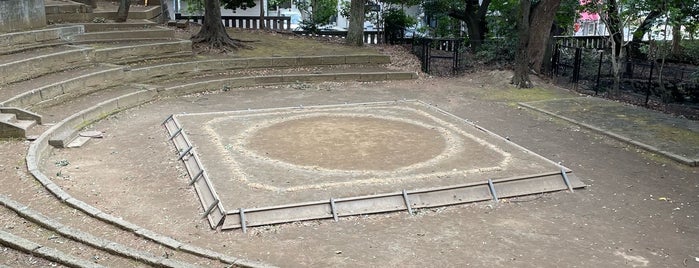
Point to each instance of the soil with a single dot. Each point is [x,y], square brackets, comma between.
[639,209]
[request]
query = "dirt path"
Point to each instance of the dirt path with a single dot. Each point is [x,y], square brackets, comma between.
[639,210]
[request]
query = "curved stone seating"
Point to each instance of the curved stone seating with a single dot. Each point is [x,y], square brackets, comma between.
[20,41]
[62,132]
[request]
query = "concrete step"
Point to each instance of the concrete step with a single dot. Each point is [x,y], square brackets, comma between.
[155,33]
[227,82]
[61,81]
[135,13]
[320,72]
[29,64]
[43,251]
[25,124]
[21,41]
[124,52]
[65,7]
[53,112]
[11,127]
[7,117]
[91,27]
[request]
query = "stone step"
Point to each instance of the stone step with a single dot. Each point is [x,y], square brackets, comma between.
[45,252]
[138,51]
[64,80]
[7,117]
[65,7]
[53,112]
[91,27]
[135,13]
[27,40]
[29,64]
[320,72]
[156,33]
[13,127]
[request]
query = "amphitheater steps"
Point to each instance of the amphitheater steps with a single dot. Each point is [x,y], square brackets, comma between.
[12,95]
[11,43]
[62,11]
[11,126]
[36,233]
[40,242]
[131,24]
[156,33]
[33,63]
[125,52]
[54,111]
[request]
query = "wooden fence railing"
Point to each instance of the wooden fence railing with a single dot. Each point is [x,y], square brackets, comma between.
[247,22]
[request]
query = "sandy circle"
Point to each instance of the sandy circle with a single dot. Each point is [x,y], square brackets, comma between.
[329,141]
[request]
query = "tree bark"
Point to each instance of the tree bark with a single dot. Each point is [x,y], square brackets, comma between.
[474,17]
[212,33]
[615,28]
[643,28]
[521,71]
[123,11]
[263,24]
[355,33]
[541,20]
[676,39]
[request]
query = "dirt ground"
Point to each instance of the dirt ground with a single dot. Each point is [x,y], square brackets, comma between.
[640,210]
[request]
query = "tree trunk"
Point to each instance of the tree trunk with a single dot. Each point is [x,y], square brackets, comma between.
[474,17]
[541,20]
[212,33]
[676,39]
[521,72]
[643,28]
[355,33]
[263,24]
[615,29]
[123,11]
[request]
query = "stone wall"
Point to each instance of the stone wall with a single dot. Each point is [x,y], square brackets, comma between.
[19,15]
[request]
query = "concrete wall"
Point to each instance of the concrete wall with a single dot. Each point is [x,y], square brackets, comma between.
[19,15]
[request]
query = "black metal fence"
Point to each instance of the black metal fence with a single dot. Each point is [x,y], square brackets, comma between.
[589,68]
[439,55]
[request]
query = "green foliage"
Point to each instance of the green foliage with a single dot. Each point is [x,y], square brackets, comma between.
[502,20]
[497,50]
[197,6]
[567,14]
[396,18]
[236,4]
[194,6]
[437,11]
[320,12]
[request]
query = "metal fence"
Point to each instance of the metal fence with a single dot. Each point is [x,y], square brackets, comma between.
[587,66]
[433,51]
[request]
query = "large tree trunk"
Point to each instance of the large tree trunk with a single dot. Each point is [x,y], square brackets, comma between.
[123,11]
[521,72]
[212,32]
[643,28]
[474,17]
[676,39]
[541,20]
[263,25]
[355,33]
[615,29]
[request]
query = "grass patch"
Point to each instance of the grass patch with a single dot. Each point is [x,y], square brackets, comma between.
[514,95]
[285,45]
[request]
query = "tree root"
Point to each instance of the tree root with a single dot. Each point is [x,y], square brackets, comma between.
[219,42]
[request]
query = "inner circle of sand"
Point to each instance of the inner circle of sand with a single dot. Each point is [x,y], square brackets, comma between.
[347,143]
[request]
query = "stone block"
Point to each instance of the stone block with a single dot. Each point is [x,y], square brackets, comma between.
[333,60]
[20,15]
[309,61]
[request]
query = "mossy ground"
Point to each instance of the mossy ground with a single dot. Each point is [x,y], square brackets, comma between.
[513,95]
